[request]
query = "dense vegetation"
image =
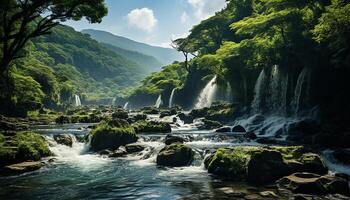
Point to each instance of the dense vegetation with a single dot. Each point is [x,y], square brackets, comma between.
[251,35]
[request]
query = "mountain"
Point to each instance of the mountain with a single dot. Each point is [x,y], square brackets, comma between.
[150,63]
[164,55]
[67,62]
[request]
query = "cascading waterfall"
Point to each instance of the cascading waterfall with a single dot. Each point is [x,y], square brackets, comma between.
[159,101]
[258,92]
[77,100]
[171,99]
[302,83]
[228,95]
[126,105]
[207,95]
[113,101]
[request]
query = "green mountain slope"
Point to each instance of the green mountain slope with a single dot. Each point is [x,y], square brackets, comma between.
[164,55]
[68,62]
[149,63]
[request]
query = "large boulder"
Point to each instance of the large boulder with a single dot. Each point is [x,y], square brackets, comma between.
[309,183]
[112,135]
[121,114]
[175,155]
[238,129]
[266,167]
[261,165]
[170,139]
[64,139]
[152,127]
[120,152]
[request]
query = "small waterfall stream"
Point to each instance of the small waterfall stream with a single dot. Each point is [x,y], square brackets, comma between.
[77,100]
[258,91]
[125,107]
[301,90]
[159,101]
[171,99]
[207,95]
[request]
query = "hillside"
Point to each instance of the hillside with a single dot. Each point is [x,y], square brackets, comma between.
[67,62]
[149,63]
[164,55]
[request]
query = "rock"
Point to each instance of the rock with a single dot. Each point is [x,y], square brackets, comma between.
[308,183]
[238,129]
[266,167]
[62,119]
[112,135]
[175,155]
[139,117]
[64,139]
[313,163]
[187,119]
[120,152]
[81,138]
[152,127]
[150,110]
[268,194]
[209,124]
[171,139]
[134,148]
[250,135]
[342,156]
[224,129]
[23,167]
[121,114]
[331,140]
[165,113]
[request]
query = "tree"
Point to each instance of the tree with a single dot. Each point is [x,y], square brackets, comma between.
[22,20]
[183,45]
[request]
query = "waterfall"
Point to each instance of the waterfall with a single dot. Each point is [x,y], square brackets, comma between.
[159,101]
[228,95]
[271,92]
[258,92]
[171,99]
[126,105]
[302,82]
[207,95]
[77,100]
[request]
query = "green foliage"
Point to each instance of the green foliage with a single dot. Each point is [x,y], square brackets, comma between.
[17,147]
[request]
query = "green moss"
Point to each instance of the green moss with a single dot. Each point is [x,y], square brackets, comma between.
[21,146]
[152,127]
[106,136]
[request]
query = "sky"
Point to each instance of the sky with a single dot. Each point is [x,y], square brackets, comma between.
[154,22]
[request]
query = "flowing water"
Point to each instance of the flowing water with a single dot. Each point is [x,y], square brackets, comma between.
[77,101]
[159,101]
[125,107]
[207,95]
[77,173]
[171,99]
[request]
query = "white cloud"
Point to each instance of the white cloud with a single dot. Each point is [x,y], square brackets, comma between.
[184,18]
[143,19]
[206,8]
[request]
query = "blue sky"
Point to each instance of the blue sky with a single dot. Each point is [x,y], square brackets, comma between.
[154,22]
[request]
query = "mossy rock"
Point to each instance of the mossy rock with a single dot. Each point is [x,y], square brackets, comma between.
[218,112]
[121,114]
[8,124]
[112,135]
[16,147]
[152,127]
[260,165]
[175,155]
[150,110]
[209,124]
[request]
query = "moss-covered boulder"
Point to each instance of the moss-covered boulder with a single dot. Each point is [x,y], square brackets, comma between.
[209,124]
[217,112]
[262,164]
[16,147]
[175,155]
[121,114]
[112,134]
[187,119]
[150,110]
[152,127]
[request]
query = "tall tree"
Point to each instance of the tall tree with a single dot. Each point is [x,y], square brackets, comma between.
[22,20]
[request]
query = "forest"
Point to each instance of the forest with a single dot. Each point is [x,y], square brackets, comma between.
[251,104]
